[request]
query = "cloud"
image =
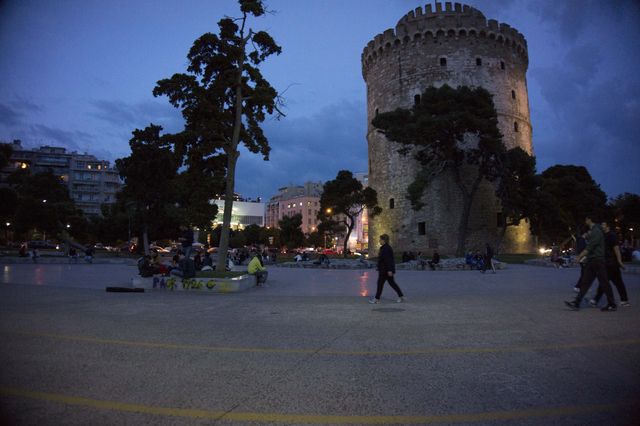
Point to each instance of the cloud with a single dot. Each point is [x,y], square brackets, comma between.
[9,115]
[312,148]
[137,115]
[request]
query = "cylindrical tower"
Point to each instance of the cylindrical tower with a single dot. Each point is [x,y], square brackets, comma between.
[457,46]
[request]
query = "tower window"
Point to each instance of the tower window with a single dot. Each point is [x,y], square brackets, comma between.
[422,229]
[479,61]
[515,126]
[416,100]
[392,203]
[513,94]
[376,111]
[501,65]
[443,62]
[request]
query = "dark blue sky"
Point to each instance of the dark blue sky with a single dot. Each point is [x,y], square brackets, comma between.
[80,74]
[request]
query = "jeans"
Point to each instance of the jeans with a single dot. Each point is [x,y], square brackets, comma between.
[592,269]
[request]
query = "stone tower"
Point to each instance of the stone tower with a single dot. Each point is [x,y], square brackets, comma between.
[457,46]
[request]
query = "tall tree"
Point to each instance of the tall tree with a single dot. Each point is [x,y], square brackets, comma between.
[224,97]
[450,130]
[149,174]
[566,193]
[517,188]
[290,233]
[344,199]
[43,203]
[626,209]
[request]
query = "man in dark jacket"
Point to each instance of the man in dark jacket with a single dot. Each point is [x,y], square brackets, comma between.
[386,270]
[613,263]
[594,267]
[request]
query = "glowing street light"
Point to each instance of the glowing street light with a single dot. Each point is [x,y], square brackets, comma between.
[329,210]
[44,201]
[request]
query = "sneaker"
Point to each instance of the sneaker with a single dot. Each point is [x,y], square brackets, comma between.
[593,303]
[572,305]
[374,301]
[576,289]
[626,304]
[609,308]
[401,300]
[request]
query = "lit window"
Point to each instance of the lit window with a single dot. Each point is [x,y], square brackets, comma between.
[300,204]
[89,166]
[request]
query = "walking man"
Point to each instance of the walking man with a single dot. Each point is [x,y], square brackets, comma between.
[594,267]
[613,263]
[386,270]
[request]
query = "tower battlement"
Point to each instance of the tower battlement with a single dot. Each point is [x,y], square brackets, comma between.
[453,44]
[455,21]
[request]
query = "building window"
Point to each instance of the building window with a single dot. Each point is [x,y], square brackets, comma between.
[392,203]
[422,228]
[479,62]
[501,65]
[513,94]
[515,126]
[443,62]
[376,112]
[416,100]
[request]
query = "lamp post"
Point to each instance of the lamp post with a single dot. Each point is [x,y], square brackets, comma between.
[6,232]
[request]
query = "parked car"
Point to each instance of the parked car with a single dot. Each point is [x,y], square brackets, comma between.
[329,251]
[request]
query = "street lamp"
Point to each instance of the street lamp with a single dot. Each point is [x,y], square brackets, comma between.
[6,232]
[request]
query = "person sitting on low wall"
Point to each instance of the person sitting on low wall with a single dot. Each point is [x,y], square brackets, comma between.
[257,268]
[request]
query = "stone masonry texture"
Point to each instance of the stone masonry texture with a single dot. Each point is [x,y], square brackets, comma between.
[450,44]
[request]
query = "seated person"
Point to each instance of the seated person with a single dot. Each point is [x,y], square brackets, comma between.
[144,266]
[23,251]
[256,267]
[185,268]
[434,260]
[556,257]
[88,254]
[207,260]
[298,257]
[157,265]
[197,261]
[73,255]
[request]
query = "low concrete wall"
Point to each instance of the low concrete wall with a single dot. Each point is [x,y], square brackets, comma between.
[209,285]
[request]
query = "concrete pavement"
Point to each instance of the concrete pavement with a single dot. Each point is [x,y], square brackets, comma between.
[467,349]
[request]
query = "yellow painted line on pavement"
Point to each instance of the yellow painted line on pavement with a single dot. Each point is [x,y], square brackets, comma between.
[308,418]
[417,352]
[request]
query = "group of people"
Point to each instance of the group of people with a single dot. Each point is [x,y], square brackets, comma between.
[600,258]
[481,261]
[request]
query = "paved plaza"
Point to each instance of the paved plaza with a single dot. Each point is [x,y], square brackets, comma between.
[467,348]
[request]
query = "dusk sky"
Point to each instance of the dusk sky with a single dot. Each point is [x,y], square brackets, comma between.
[80,74]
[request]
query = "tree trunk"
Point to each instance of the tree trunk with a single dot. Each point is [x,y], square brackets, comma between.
[462,226]
[145,239]
[223,248]
[350,226]
[232,158]
[468,197]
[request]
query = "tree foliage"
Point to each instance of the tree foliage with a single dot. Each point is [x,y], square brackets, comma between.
[290,233]
[449,131]
[344,199]
[626,211]
[224,97]
[42,203]
[566,193]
